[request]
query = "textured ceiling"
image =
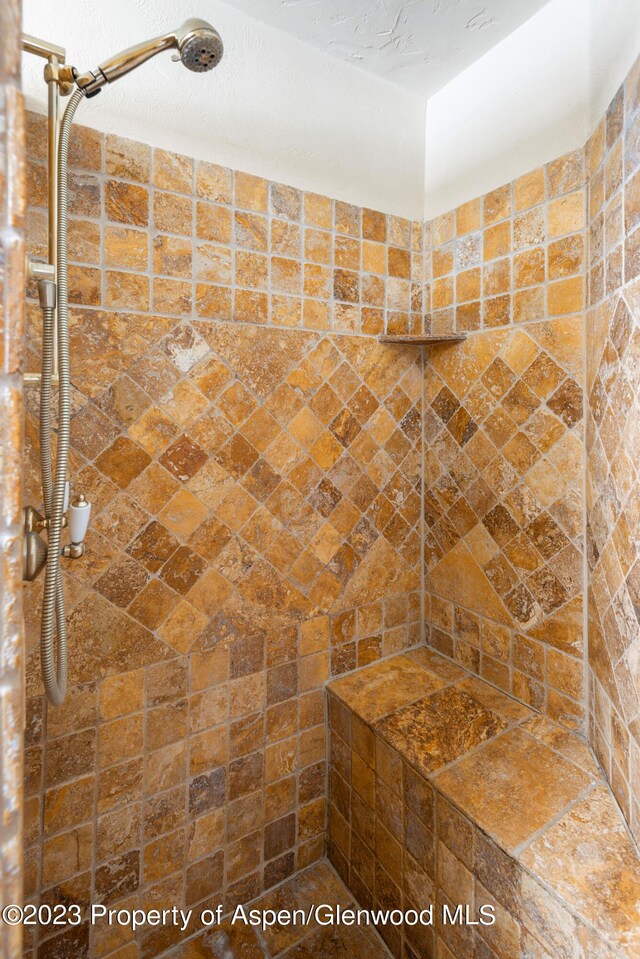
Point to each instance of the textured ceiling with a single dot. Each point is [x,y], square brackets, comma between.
[418,44]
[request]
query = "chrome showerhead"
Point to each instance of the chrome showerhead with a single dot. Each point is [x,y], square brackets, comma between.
[199,46]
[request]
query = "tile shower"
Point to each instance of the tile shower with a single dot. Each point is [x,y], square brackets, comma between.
[280,500]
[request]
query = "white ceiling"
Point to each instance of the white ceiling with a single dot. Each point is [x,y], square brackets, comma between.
[418,44]
[274,106]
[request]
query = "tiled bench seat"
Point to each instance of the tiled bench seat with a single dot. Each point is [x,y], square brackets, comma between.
[444,790]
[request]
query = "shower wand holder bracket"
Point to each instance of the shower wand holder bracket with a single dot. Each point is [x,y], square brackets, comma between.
[35,521]
[61,73]
[90,83]
[34,547]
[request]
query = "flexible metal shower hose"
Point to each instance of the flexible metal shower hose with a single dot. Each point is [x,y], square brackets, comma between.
[53,608]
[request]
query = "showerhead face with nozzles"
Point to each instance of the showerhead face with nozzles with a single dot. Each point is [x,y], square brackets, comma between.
[200,47]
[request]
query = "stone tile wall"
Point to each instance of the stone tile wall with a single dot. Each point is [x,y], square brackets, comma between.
[504,437]
[253,456]
[525,270]
[613,444]
[11,338]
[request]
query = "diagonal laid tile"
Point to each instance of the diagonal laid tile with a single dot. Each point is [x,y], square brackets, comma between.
[459,577]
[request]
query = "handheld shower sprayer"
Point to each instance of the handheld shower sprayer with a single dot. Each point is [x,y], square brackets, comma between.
[200,49]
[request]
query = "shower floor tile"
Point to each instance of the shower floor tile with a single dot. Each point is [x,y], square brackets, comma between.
[318,885]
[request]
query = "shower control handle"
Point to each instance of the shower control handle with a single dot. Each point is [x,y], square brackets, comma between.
[79,515]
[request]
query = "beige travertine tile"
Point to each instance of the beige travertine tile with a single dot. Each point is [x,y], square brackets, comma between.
[529,190]
[410,838]
[438,729]
[512,787]
[126,203]
[607,892]
[248,486]
[382,688]
[126,247]
[171,171]
[508,709]
[611,477]
[251,192]
[126,159]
